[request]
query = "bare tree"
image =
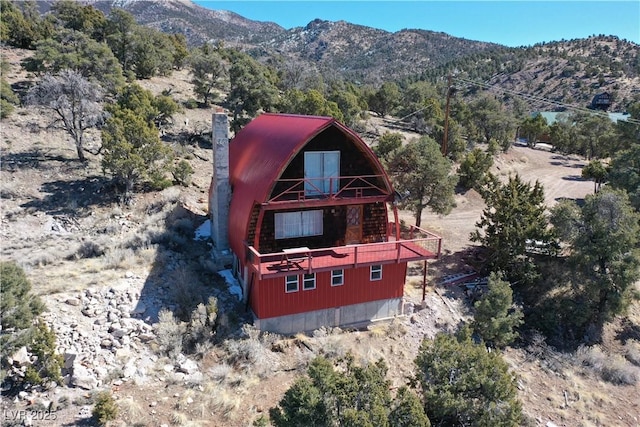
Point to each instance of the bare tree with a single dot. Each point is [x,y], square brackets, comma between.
[75,101]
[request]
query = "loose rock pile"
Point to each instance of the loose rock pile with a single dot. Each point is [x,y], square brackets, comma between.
[102,335]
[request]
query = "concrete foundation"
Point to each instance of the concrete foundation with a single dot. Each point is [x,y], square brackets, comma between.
[351,315]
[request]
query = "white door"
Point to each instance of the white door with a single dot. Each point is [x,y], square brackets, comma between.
[321,171]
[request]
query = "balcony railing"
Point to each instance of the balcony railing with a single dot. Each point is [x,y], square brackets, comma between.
[301,189]
[305,260]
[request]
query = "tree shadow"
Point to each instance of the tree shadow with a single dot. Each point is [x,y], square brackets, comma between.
[200,139]
[574,178]
[68,197]
[36,159]
[184,275]
[628,331]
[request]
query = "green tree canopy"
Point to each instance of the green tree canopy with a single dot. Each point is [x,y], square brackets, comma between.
[533,128]
[23,26]
[356,396]
[473,168]
[624,173]
[603,236]
[596,135]
[75,16]
[464,385]
[18,306]
[492,121]
[120,36]
[424,177]
[495,319]
[310,102]
[152,53]
[8,99]
[513,221]
[153,109]
[388,143]
[74,50]
[385,99]
[133,152]
[596,171]
[208,72]
[252,88]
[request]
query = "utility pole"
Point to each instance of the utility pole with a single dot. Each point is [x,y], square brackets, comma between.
[445,138]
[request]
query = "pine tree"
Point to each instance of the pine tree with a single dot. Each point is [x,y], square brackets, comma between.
[463,384]
[495,318]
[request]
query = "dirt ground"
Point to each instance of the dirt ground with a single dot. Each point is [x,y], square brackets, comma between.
[51,205]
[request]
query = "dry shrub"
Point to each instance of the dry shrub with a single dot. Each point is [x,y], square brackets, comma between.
[224,403]
[89,249]
[179,419]
[119,258]
[632,352]
[611,368]
[169,332]
[220,373]
[187,285]
[170,195]
[620,372]
[131,409]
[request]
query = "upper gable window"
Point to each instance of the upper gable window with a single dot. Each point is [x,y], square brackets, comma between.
[321,172]
[298,224]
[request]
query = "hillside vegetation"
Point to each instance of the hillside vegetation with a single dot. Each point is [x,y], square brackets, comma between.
[106,165]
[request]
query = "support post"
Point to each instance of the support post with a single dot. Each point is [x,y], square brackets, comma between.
[445,137]
[424,281]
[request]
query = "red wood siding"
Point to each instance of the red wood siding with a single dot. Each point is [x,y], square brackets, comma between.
[269,299]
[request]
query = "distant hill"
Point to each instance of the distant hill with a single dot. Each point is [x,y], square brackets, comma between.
[570,72]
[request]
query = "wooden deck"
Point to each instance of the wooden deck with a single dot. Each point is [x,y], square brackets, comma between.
[304,260]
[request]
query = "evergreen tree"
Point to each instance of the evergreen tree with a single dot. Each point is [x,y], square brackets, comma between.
[603,236]
[532,128]
[495,318]
[310,102]
[252,88]
[133,152]
[513,221]
[624,174]
[464,385]
[208,71]
[423,175]
[596,171]
[74,50]
[351,396]
[385,99]
[388,144]
[407,410]
[8,99]
[473,168]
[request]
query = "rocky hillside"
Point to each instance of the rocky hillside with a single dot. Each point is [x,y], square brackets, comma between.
[569,72]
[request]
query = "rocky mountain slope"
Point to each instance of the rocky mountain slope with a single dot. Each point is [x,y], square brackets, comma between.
[569,72]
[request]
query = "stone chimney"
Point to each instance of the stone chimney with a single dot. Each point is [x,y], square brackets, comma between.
[220,187]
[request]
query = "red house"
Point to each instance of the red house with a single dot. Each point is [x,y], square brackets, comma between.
[309,226]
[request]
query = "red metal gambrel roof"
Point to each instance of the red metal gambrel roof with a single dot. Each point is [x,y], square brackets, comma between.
[260,153]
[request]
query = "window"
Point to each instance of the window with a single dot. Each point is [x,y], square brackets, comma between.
[309,281]
[291,284]
[298,224]
[321,171]
[337,277]
[375,272]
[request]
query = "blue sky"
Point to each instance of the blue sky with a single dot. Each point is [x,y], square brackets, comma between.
[511,23]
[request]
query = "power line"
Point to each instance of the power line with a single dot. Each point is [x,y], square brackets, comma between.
[541,99]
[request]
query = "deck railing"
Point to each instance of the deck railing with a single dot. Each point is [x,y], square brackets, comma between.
[356,255]
[301,189]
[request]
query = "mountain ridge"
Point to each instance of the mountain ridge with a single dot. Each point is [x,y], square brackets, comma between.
[570,70]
